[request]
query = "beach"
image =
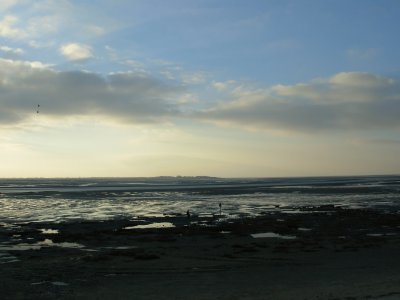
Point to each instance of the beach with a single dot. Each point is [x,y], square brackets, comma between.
[319,252]
[199,150]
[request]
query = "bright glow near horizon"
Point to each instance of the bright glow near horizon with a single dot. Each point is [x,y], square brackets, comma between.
[218,88]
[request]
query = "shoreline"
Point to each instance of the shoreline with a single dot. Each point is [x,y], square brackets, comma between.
[321,252]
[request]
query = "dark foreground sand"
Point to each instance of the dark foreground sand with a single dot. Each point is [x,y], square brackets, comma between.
[336,254]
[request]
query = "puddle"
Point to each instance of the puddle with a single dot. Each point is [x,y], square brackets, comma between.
[272,235]
[300,211]
[38,283]
[20,247]
[38,246]
[208,215]
[293,211]
[120,247]
[59,283]
[304,229]
[49,231]
[381,234]
[50,243]
[56,283]
[202,224]
[154,215]
[8,225]
[152,225]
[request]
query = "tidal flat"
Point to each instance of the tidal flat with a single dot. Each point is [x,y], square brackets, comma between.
[317,252]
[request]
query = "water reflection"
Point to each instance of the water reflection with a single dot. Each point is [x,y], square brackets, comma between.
[152,225]
[38,245]
[49,231]
[272,235]
[79,203]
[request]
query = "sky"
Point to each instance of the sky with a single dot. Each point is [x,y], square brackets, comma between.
[228,88]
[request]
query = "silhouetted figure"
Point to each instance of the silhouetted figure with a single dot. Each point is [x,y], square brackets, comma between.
[220,209]
[188,214]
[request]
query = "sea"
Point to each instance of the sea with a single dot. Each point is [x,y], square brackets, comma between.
[77,199]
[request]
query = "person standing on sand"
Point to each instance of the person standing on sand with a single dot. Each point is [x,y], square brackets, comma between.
[188,214]
[220,209]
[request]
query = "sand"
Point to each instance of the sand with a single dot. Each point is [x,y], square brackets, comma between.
[317,253]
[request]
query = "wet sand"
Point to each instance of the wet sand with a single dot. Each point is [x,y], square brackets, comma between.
[310,253]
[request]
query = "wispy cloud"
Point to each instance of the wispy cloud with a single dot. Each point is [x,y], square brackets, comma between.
[6,4]
[36,27]
[42,22]
[9,52]
[223,85]
[9,28]
[346,101]
[377,141]
[362,54]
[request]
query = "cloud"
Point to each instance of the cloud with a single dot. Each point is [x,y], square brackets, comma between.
[9,30]
[6,4]
[38,44]
[362,54]
[346,101]
[193,78]
[95,30]
[40,25]
[76,52]
[223,86]
[14,28]
[123,97]
[11,53]
[377,141]
[42,22]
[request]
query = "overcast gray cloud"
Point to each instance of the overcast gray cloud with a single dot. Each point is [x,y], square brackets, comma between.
[345,101]
[127,97]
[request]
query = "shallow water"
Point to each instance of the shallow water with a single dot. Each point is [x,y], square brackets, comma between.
[272,235]
[59,200]
[38,245]
[152,225]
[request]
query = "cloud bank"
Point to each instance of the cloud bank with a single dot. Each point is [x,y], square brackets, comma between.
[346,101]
[125,97]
